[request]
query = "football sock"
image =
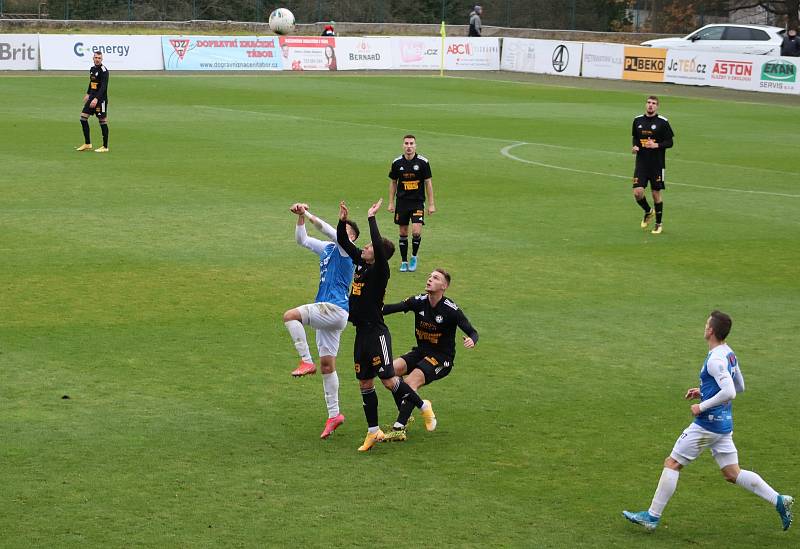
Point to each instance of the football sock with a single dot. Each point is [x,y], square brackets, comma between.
[404,248]
[415,241]
[298,334]
[754,483]
[370,398]
[409,399]
[659,206]
[104,129]
[330,385]
[643,203]
[85,126]
[666,487]
[398,399]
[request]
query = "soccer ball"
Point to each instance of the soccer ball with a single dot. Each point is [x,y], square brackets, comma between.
[281,21]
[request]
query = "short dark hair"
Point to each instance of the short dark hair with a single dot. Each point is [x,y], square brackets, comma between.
[720,324]
[409,136]
[388,248]
[444,273]
[654,98]
[353,226]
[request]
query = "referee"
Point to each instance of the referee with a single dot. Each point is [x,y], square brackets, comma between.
[652,136]
[95,102]
[410,177]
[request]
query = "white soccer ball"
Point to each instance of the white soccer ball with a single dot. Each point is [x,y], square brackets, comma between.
[281,21]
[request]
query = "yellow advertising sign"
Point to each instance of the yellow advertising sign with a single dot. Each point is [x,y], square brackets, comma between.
[645,64]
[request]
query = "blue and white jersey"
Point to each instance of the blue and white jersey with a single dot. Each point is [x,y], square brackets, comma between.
[335,275]
[720,363]
[335,266]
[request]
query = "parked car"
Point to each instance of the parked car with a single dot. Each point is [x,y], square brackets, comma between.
[754,39]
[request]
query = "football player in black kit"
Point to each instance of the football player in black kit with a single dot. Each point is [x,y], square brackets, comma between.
[372,349]
[436,318]
[96,102]
[652,136]
[410,177]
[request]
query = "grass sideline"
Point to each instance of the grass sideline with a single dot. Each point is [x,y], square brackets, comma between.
[148,285]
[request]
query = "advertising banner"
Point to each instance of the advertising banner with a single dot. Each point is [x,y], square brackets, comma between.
[365,53]
[221,53]
[309,53]
[736,71]
[645,64]
[778,75]
[126,53]
[602,60]
[518,55]
[541,56]
[688,67]
[416,52]
[471,54]
[19,52]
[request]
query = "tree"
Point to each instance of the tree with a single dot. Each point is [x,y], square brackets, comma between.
[790,9]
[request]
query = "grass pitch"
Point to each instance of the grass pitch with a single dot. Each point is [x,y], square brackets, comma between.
[148,285]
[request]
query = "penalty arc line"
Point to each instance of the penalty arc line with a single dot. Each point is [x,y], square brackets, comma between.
[506,151]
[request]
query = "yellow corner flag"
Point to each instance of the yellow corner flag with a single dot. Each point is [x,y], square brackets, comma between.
[441,59]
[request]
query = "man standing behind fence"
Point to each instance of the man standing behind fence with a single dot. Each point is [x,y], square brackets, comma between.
[475,21]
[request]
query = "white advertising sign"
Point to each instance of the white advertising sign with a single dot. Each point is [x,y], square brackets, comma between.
[519,55]
[74,52]
[778,74]
[602,60]
[364,53]
[542,56]
[19,52]
[416,52]
[472,54]
[689,67]
[736,71]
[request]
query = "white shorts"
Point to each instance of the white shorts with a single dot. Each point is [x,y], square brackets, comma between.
[695,439]
[329,321]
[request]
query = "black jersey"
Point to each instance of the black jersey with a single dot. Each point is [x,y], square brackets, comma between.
[369,280]
[658,129]
[98,83]
[435,327]
[410,176]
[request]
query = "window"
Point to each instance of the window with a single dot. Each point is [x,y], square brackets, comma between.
[737,33]
[711,33]
[758,34]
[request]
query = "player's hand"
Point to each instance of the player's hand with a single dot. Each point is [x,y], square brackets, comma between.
[374,208]
[468,343]
[695,409]
[390,207]
[93,104]
[650,144]
[635,149]
[343,211]
[295,209]
[692,393]
[431,209]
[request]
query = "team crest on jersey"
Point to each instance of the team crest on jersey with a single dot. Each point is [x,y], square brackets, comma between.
[416,167]
[653,127]
[439,319]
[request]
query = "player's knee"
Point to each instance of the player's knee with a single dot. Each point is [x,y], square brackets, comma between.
[103,121]
[730,474]
[670,463]
[327,364]
[291,314]
[84,117]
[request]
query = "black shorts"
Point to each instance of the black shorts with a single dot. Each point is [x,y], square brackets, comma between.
[434,365]
[415,213]
[642,176]
[100,109]
[372,352]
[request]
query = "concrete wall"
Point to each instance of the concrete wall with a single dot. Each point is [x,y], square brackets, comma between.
[343,29]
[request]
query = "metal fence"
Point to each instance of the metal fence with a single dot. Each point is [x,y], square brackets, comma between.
[672,16]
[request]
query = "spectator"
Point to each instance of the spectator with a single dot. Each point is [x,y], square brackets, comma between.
[791,44]
[475,21]
[328,31]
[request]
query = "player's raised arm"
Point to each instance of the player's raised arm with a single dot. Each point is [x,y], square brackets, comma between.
[381,261]
[320,224]
[341,235]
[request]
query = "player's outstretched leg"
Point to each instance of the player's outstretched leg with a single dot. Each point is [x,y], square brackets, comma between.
[642,518]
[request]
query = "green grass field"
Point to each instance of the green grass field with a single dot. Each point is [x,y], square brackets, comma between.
[148,285]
